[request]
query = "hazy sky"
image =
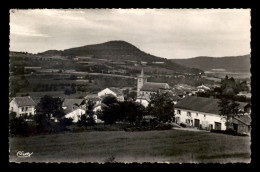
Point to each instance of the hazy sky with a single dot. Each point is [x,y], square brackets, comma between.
[168,33]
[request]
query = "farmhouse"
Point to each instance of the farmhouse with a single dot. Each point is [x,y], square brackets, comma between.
[112,91]
[23,106]
[148,88]
[73,108]
[201,112]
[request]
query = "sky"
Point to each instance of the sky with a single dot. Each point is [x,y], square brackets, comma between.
[167,33]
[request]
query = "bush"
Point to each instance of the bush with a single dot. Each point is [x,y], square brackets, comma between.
[183,125]
[77,129]
[12,115]
[64,122]
[146,126]
[229,131]
[18,126]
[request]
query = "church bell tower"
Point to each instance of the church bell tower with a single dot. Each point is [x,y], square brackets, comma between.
[141,80]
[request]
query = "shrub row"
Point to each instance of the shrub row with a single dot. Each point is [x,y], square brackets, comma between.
[229,131]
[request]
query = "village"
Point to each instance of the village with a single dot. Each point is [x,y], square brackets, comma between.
[190,110]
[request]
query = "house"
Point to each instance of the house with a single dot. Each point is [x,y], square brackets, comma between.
[203,88]
[144,63]
[96,100]
[148,88]
[158,62]
[23,106]
[242,123]
[175,99]
[73,108]
[113,91]
[143,99]
[201,112]
[179,93]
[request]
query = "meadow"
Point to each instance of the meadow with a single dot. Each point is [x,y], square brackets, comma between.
[173,146]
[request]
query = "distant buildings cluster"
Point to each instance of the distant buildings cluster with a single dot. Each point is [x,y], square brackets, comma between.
[190,110]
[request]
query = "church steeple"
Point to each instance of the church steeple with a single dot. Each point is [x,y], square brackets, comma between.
[142,72]
[141,80]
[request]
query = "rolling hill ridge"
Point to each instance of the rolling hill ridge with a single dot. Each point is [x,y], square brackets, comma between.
[231,64]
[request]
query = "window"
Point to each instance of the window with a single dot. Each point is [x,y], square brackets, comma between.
[197,114]
[26,108]
[188,114]
[204,116]
[179,112]
[22,109]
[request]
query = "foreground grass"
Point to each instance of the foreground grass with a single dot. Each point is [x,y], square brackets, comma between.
[148,146]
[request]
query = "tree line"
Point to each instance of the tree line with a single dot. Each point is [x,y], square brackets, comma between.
[112,111]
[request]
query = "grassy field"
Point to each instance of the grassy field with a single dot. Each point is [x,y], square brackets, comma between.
[149,146]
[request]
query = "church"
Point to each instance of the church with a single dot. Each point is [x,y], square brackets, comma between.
[145,88]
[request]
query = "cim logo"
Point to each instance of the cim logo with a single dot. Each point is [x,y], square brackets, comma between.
[22,154]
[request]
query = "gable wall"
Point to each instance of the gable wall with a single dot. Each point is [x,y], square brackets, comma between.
[105,92]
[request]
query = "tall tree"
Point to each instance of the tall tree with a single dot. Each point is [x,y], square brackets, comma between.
[130,111]
[50,106]
[228,108]
[109,100]
[90,112]
[162,107]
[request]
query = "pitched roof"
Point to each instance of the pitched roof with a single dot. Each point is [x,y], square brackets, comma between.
[202,104]
[144,97]
[117,91]
[70,102]
[244,119]
[178,92]
[91,96]
[24,101]
[153,86]
[95,99]
[203,87]
[175,98]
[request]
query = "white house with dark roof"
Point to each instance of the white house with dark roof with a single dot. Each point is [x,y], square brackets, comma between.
[96,100]
[148,88]
[143,99]
[73,108]
[112,91]
[202,112]
[22,106]
[203,88]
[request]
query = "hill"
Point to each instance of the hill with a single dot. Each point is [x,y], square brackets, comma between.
[231,64]
[114,50]
[118,51]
